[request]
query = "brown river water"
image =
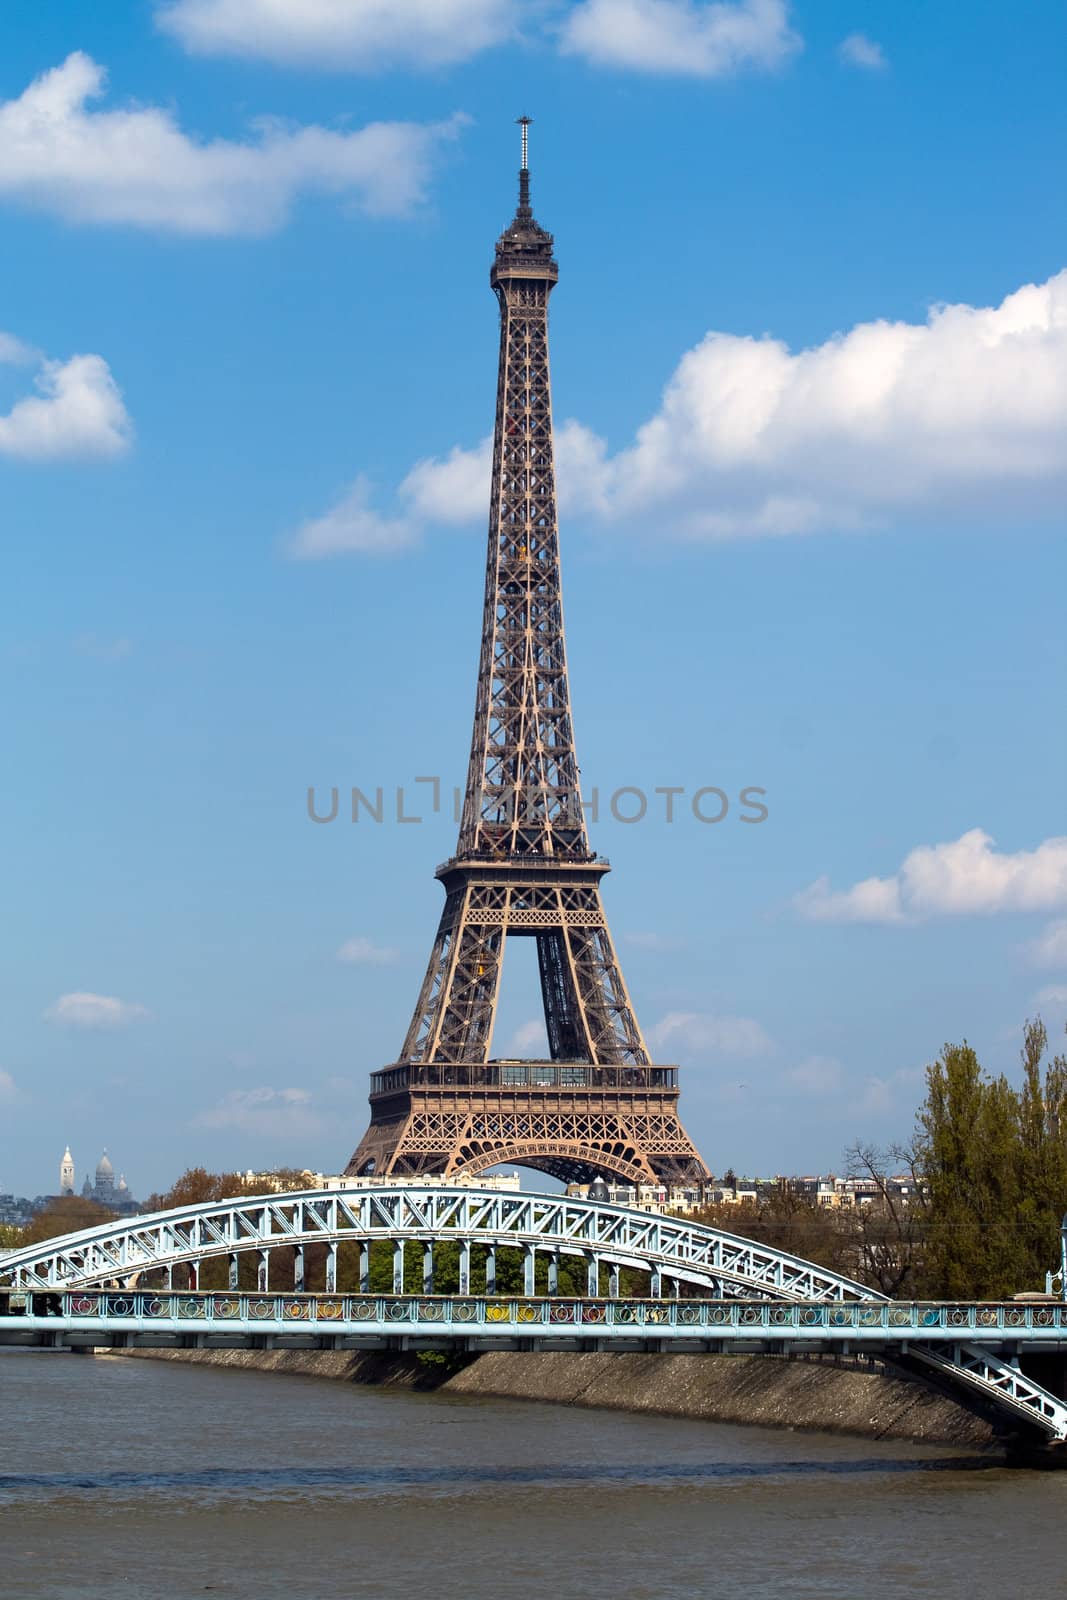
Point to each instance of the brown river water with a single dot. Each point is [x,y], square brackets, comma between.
[159,1480]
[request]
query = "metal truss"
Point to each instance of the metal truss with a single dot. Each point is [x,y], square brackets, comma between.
[686,1252]
[523,865]
[997,1379]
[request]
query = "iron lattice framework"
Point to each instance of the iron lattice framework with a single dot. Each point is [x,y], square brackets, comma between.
[523,865]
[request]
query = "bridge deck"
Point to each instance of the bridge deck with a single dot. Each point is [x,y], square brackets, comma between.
[123,1317]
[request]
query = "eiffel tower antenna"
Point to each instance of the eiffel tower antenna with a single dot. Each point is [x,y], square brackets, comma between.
[523,865]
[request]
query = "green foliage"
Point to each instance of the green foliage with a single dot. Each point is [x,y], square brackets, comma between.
[994,1160]
[10,1236]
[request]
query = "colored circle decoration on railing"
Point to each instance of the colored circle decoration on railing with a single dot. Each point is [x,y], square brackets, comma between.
[295,1310]
[657,1314]
[156,1305]
[869,1316]
[329,1310]
[464,1311]
[189,1307]
[899,1317]
[528,1313]
[226,1306]
[751,1315]
[987,1316]
[262,1309]
[398,1310]
[811,1316]
[958,1317]
[781,1316]
[431,1311]
[930,1317]
[1015,1317]
[85,1305]
[364,1311]
[593,1313]
[561,1311]
[626,1314]
[689,1316]
[718,1316]
[497,1313]
[121,1305]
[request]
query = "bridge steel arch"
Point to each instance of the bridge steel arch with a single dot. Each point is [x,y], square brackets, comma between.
[723,1265]
[615,1236]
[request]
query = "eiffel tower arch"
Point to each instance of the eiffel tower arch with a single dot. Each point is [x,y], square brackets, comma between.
[523,866]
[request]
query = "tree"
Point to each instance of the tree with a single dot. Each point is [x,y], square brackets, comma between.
[889,1233]
[67,1214]
[10,1236]
[994,1160]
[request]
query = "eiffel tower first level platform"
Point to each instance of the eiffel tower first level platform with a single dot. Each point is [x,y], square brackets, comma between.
[523,865]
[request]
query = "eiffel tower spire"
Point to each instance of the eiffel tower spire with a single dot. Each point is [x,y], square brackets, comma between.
[523,865]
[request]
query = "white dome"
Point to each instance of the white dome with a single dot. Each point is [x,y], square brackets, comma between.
[123,1186]
[104,1169]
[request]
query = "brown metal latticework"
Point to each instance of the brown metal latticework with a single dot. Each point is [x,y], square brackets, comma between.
[523,865]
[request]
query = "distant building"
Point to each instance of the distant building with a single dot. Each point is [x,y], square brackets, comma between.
[66,1173]
[106,1192]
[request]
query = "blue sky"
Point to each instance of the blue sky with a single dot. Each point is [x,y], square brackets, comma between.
[810,380]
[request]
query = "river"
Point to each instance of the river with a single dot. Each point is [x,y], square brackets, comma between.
[167,1481]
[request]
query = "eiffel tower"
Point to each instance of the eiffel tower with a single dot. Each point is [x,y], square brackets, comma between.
[523,867]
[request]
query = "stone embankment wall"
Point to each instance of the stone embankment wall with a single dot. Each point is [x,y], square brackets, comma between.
[763,1390]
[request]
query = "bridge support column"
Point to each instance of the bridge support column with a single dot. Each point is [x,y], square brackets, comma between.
[263,1275]
[194,1276]
[231,1270]
[490,1269]
[464,1266]
[331,1269]
[427,1267]
[170,1275]
[553,1273]
[655,1284]
[613,1281]
[592,1277]
[529,1271]
[298,1269]
[398,1266]
[364,1267]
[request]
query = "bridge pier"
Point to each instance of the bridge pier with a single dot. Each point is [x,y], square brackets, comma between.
[232,1277]
[427,1266]
[655,1284]
[593,1276]
[398,1266]
[364,1266]
[263,1270]
[298,1269]
[464,1266]
[490,1269]
[613,1281]
[529,1271]
[553,1273]
[331,1268]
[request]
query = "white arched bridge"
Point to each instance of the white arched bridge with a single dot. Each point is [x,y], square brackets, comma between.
[137,1282]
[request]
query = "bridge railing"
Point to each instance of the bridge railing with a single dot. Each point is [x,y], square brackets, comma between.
[453,1315]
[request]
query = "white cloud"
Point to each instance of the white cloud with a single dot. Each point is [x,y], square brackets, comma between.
[965,412]
[964,877]
[8,1089]
[341,35]
[1049,949]
[1055,994]
[361,952]
[816,1075]
[702,1033]
[76,412]
[82,1010]
[137,166]
[352,525]
[859,51]
[101,649]
[525,1037]
[263,1112]
[681,36]
[14,352]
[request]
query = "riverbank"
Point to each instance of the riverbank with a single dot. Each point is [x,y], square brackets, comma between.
[769,1391]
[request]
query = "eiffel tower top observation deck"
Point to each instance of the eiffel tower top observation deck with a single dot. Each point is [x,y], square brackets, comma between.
[523,865]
